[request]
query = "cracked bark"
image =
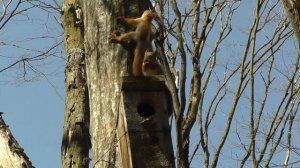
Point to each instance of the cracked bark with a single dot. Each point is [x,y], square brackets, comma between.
[105,64]
[76,138]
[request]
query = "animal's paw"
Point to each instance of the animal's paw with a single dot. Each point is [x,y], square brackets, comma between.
[113,38]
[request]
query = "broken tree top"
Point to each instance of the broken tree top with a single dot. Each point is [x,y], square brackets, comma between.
[143,83]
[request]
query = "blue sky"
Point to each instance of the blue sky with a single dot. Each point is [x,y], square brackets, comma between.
[34,114]
[34,109]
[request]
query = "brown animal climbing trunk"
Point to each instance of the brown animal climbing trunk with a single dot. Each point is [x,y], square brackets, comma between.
[105,64]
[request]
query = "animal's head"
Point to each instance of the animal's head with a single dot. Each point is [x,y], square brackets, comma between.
[149,15]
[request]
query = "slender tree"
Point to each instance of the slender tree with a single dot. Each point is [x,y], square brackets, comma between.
[76,139]
[292,9]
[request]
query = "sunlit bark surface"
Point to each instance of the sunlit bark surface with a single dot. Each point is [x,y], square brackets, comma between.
[11,153]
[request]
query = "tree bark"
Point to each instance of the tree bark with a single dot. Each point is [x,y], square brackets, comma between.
[292,9]
[105,64]
[11,154]
[76,139]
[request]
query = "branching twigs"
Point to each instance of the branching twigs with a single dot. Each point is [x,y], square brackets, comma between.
[235,100]
[251,76]
[182,142]
[22,9]
[286,112]
[6,15]
[224,32]
[10,11]
[289,135]
[247,78]
[12,8]
[48,7]
[28,59]
[180,48]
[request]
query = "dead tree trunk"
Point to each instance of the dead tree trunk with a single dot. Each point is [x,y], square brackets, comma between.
[76,138]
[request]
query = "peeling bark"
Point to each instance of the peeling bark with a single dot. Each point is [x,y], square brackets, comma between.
[76,139]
